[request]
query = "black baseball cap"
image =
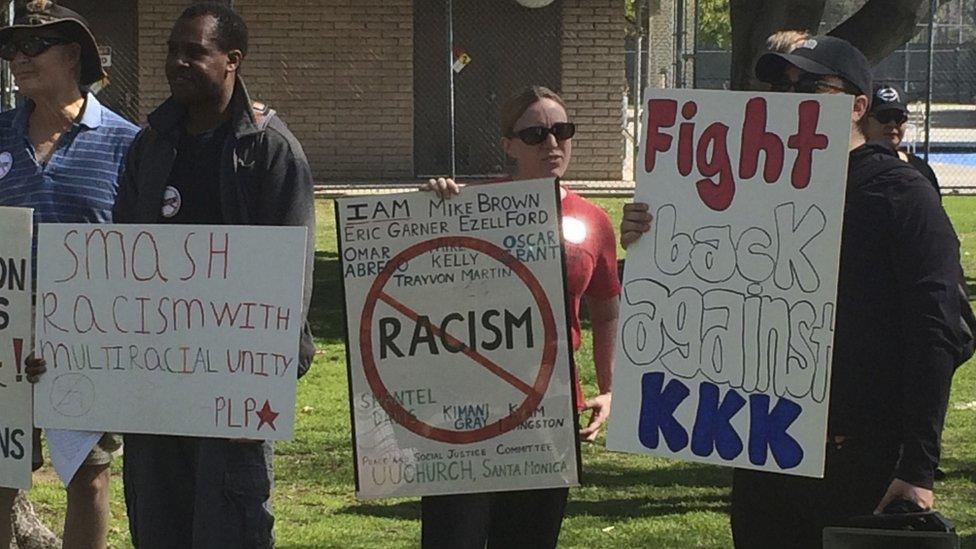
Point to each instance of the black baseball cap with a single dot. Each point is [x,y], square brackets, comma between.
[824,55]
[38,14]
[887,97]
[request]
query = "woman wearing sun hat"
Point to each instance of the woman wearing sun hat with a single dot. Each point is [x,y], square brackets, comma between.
[60,154]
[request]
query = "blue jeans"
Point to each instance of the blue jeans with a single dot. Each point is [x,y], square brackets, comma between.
[198,492]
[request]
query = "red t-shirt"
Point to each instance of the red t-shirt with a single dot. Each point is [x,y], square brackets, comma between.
[591,261]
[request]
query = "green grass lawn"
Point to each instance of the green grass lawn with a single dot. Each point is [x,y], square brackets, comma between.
[626,501]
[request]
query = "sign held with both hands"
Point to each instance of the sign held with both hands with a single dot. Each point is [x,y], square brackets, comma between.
[458,355]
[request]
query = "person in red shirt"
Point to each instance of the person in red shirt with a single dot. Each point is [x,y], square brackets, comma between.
[537,134]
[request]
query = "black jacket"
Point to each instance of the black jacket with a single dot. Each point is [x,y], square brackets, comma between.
[264,180]
[897,336]
[923,168]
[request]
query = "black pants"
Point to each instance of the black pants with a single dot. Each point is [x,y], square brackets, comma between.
[774,510]
[526,518]
[198,493]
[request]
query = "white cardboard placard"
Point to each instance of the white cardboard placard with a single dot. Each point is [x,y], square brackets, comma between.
[458,354]
[15,337]
[169,329]
[727,312]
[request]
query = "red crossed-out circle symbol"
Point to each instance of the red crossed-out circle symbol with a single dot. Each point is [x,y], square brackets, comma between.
[533,393]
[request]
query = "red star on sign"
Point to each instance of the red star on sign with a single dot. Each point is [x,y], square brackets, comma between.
[267,415]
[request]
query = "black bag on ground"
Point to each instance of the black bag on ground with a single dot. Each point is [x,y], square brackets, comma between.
[902,525]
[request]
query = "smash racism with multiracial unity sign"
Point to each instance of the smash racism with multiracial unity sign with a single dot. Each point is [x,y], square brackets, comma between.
[169,329]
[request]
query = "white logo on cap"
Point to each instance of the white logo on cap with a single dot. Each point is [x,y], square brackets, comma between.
[809,43]
[888,94]
[6,162]
[171,202]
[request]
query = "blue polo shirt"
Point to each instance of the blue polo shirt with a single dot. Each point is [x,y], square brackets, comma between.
[79,182]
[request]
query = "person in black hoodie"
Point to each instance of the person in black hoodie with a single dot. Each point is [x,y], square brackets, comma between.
[886,122]
[898,336]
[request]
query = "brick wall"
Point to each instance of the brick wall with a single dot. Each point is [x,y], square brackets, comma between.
[592,85]
[155,18]
[339,73]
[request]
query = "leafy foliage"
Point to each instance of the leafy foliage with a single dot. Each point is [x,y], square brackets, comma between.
[714,25]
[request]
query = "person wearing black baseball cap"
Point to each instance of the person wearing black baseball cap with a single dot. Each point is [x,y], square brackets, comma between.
[898,331]
[898,335]
[59,155]
[816,58]
[886,123]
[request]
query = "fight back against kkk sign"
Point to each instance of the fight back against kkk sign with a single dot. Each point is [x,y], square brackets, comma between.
[15,329]
[727,312]
[169,329]
[458,354]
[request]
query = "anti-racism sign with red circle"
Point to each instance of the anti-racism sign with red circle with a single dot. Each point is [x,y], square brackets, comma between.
[533,393]
[459,364]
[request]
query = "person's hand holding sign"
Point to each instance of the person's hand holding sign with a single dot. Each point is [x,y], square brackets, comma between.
[443,187]
[635,222]
[34,367]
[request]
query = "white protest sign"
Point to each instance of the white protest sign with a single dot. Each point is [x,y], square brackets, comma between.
[169,329]
[458,354]
[15,336]
[727,312]
[69,450]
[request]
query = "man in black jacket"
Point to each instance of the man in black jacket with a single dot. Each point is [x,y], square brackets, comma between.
[887,122]
[898,333]
[210,156]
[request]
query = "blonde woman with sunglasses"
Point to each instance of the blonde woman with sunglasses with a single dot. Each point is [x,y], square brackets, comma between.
[537,134]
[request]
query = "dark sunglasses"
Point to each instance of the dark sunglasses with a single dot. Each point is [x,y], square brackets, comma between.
[808,83]
[31,46]
[537,134]
[885,117]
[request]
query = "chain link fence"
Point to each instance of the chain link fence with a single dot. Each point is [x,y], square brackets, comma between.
[388,90]
[465,74]
[413,87]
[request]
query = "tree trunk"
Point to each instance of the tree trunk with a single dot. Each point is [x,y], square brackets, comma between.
[752,23]
[29,531]
[877,29]
[882,26]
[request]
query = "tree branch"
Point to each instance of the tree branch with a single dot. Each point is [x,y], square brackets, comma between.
[877,41]
[29,531]
[752,23]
